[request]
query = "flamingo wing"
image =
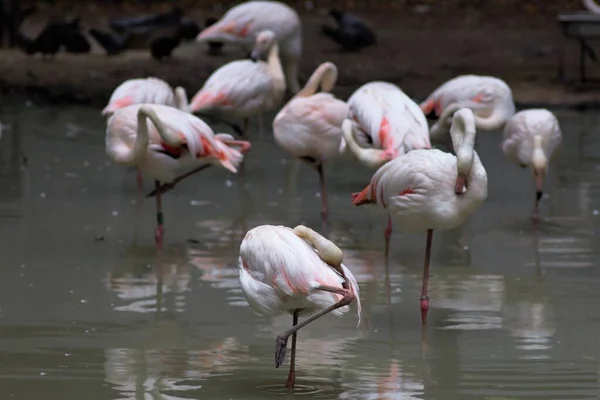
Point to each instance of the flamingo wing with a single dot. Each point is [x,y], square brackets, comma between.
[138,91]
[238,84]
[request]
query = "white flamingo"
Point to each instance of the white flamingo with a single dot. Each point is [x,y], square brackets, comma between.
[386,123]
[296,271]
[488,97]
[244,88]
[242,23]
[145,91]
[430,189]
[173,140]
[310,125]
[532,139]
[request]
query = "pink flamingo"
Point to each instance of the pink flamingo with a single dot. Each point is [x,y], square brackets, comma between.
[173,140]
[532,139]
[296,271]
[431,189]
[242,23]
[145,91]
[309,126]
[488,97]
[244,88]
[386,123]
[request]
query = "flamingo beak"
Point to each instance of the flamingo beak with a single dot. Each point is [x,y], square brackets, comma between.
[539,186]
[461,184]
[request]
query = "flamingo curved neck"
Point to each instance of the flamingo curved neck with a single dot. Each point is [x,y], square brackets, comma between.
[181,99]
[371,158]
[327,250]
[463,134]
[275,69]
[325,75]
[539,161]
[592,6]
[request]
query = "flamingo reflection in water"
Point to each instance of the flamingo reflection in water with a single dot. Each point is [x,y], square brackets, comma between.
[298,271]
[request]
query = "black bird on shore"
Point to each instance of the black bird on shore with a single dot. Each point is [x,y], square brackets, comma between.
[351,33]
[54,36]
[113,43]
[166,40]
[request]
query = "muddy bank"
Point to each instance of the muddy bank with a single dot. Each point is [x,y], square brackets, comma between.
[418,49]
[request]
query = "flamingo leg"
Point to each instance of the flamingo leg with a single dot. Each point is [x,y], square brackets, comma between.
[140,185]
[158,235]
[424,296]
[281,342]
[291,380]
[168,186]
[388,235]
[324,203]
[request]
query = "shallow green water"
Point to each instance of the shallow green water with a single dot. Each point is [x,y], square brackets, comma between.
[88,311]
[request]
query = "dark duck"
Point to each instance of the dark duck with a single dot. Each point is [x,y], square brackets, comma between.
[351,33]
[166,40]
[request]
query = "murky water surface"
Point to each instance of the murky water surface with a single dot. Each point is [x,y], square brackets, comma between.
[88,311]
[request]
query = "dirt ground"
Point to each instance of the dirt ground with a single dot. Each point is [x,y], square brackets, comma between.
[419,47]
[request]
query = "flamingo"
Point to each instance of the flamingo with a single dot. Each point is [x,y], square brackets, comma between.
[173,140]
[388,121]
[592,6]
[532,139]
[244,88]
[431,189]
[488,97]
[145,90]
[309,126]
[296,271]
[242,23]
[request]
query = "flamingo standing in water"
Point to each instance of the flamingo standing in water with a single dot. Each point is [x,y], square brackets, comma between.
[431,189]
[532,139]
[488,97]
[386,123]
[242,23]
[145,91]
[310,126]
[174,139]
[296,271]
[244,88]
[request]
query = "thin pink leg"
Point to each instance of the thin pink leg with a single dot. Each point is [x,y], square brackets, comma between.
[424,296]
[324,203]
[291,380]
[388,235]
[160,230]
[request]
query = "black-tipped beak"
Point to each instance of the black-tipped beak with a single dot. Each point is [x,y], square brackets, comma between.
[254,56]
[538,194]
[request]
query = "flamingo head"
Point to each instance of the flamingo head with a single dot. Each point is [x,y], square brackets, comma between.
[262,45]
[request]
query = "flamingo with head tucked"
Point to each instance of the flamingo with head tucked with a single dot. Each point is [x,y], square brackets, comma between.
[532,139]
[425,190]
[159,140]
[145,91]
[310,126]
[488,97]
[242,23]
[244,88]
[385,123]
[296,271]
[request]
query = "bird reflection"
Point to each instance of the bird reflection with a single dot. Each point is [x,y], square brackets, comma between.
[144,373]
[142,287]
[475,301]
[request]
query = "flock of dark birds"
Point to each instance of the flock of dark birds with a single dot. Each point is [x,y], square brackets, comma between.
[162,33]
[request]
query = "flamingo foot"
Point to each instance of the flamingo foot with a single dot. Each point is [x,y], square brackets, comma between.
[424,309]
[280,350]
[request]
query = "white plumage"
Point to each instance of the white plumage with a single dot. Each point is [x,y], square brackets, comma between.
[242,23]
